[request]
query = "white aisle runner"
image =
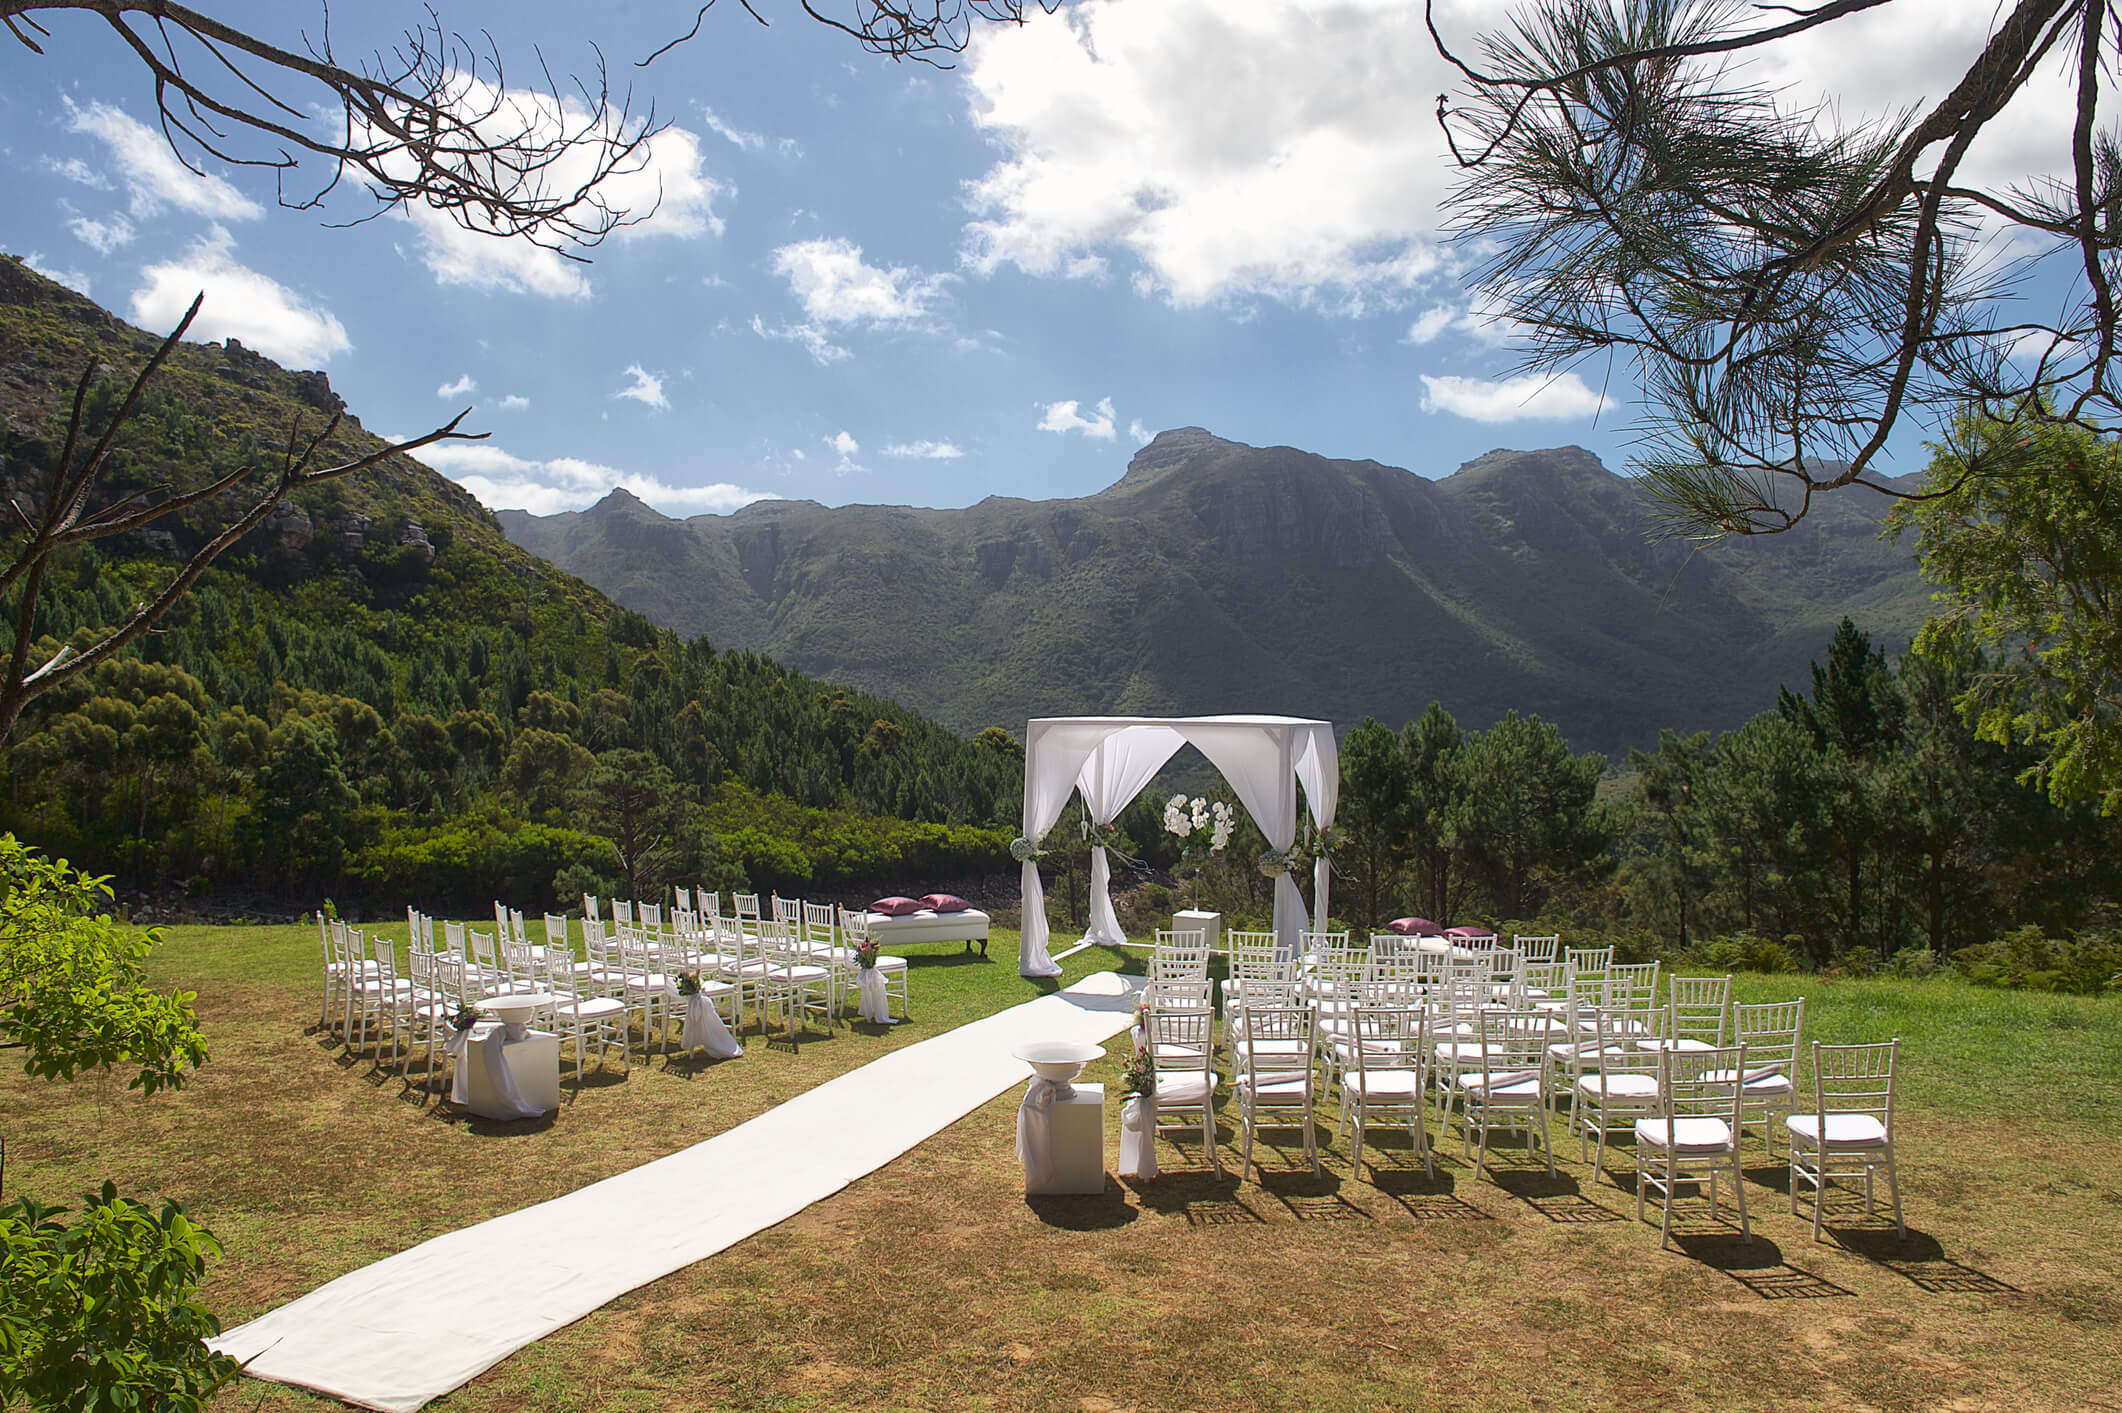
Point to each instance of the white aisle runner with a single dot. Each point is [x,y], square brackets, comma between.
[413,1326]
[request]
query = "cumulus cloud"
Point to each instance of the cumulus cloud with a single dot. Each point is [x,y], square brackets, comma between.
[240,303]
[1064,417]
[463,385]
[646,388]
[837,286]
[1527,397]
[812,339]
[153,176]
[744,140]
[75,280]
[925,451]
[846,448]
[1286,148]
[664,175]
[514,402]
[504,481]
[101,236]
[1139,434]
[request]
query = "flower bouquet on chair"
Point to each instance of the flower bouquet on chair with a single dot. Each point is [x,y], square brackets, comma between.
[876,1005]
[1138,1117]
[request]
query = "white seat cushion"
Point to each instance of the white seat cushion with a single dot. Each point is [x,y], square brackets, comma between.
[1274,1088]
[1843,1130]
[1184,1086]
[1759,1085]
[1625,1085]
[1688,1135]
[589,1008]
[1381,1084]
[1517,1088]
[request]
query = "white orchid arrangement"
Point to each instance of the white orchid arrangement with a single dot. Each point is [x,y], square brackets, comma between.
[1186,817]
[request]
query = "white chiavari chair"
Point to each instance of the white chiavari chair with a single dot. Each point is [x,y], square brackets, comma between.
[1849,1132]
[1696,1129]
[1272,1076]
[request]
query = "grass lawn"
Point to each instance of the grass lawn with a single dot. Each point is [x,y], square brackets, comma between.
[934,1283]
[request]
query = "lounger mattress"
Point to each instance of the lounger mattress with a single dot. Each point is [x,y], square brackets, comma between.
[925,926]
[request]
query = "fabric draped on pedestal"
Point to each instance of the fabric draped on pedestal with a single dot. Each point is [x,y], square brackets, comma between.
[485,1045]
[1033,1131]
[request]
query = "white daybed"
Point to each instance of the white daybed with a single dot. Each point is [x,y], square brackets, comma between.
[968,927]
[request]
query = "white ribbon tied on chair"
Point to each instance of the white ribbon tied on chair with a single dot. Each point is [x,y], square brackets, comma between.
[1138,1136]
[1035,1131]
[460,1088]
[876,1005]
[704,1029]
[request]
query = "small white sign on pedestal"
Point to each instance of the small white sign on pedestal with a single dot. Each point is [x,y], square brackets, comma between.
[1075,1144]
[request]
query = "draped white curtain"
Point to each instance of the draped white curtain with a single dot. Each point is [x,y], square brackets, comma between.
[1319,771]
[1116,772]
[1112,758]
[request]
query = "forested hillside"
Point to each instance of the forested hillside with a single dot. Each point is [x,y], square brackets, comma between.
[377,695]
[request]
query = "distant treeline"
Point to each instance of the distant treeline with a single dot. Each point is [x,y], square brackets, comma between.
[1857,824]
[472,742]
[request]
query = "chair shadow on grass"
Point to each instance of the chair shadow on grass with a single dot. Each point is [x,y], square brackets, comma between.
[1203,1197]
[1099,1211]
[1919,1258]
[1308,1198]
[1757,1265]
[1559,1197]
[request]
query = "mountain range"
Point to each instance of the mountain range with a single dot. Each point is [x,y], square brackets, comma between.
[1213,576]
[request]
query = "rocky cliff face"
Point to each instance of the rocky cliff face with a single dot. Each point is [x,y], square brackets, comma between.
[1214,576]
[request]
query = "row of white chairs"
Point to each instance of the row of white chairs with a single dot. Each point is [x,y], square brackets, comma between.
[1688,1117]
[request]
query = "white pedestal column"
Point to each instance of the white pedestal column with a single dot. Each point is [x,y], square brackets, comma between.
[1075,1143]
[533,1062]
[1210,925]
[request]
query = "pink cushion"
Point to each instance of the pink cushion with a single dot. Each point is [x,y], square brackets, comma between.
[1412,927]
[896,907]
[1472,933]
[944,903]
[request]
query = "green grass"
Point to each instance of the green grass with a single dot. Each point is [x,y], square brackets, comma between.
[933,1283]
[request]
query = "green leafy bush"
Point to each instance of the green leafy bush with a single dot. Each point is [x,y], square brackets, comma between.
[2030,960]
[102,1313]
[468,862]
[72,993]
[1742,951]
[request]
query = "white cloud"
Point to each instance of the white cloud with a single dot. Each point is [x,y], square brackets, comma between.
[463,385]
[152,173]
[1285,148]
[646,388]
[846,448]
[1528,396]
[1063,417]
[1139,434]
[76,170]
[735,136]
[838,287]
[102,236]
[514,402]
[814,340]
[664,177]
[240,303]
[925,450]
[74,280]
[503,481]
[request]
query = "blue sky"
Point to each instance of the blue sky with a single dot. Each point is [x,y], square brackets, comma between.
[878,282]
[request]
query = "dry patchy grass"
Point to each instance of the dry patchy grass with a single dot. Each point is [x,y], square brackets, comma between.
[935,1283]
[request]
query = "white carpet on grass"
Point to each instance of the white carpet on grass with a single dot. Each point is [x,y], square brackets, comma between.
[413,1326]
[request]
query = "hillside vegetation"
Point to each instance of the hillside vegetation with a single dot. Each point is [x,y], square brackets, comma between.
[1217,577]
[378,694]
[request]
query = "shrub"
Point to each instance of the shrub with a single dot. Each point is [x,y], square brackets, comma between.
[2030,960]
[102,1312]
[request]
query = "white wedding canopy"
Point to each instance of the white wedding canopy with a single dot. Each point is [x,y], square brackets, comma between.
[1111,759]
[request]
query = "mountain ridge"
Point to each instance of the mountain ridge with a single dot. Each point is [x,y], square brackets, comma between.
[1212,575]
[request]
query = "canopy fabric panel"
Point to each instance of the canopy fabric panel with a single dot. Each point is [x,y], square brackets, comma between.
[1111,759]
